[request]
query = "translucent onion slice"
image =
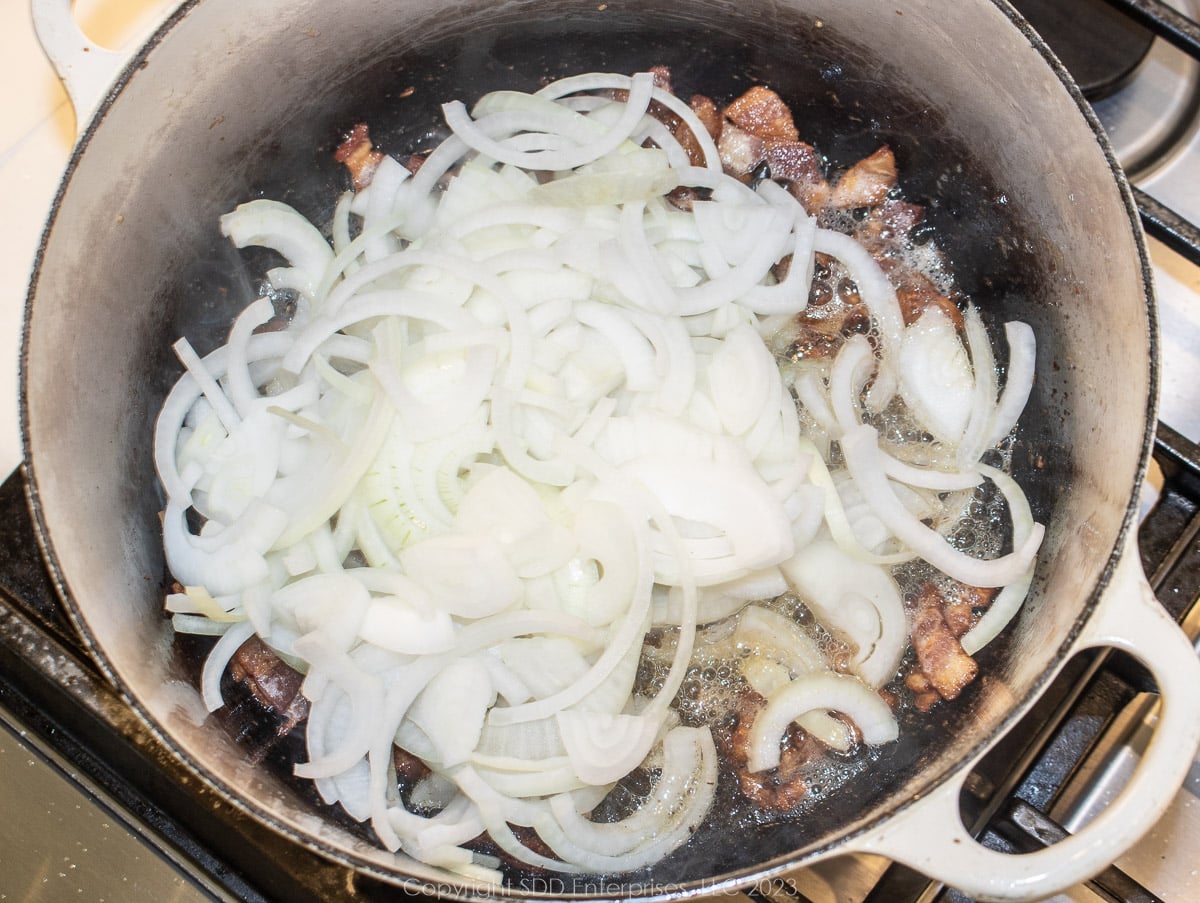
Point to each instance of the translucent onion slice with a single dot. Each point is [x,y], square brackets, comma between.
[1010,599]
[936,378]
[818,692]
[865,462]
[640,89]
[214,666]
[873,285]
[1018,381]
[767,676]
[464,688]
[857,600]
[278,226]
[975,439]
[679,802]
[604,747]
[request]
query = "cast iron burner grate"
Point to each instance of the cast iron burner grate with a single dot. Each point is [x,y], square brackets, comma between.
[1101,47]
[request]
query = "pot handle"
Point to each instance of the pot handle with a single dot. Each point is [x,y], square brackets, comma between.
[929,835]
[87,70]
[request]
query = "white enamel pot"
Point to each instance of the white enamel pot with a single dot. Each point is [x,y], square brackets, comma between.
[233,98]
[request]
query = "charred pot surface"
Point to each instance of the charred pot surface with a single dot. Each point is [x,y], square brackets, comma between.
[237,100]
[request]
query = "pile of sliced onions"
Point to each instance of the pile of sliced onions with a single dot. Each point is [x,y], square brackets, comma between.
[518,420]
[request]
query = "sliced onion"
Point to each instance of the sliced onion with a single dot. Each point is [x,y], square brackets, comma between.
[818,692]
[522,397]
[863,458]
[214,666]
[1018,382]
[603,747]
[640,89]
[975,438]
[278,226]
[857,600]
[936,376]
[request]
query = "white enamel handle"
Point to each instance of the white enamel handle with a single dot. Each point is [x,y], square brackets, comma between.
[87,70]
[929,835]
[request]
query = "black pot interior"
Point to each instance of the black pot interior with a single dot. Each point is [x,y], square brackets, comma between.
[1016,187]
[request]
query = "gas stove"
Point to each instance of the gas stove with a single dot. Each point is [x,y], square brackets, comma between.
[104,813]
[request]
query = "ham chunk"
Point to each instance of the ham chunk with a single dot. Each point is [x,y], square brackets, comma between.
[801,167]
[916,293]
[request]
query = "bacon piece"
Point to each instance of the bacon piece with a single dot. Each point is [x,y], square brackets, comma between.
[963,603]
[710,117]
[662,78]
[409,769]
[941,657]
[925,697]
[800,166]
[958,617]
[740,151]
[887,224]
[867,182]
[683,197]
[782,788]
[359,156]
[762,113]
[273,682]
[916,292]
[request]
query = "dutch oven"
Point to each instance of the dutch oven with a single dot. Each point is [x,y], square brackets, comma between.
[235,99]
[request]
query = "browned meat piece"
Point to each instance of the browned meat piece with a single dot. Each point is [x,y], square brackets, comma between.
[740,151]
[975,596]
[708,114]
[916,292]
[925,697]
[359,156]
[778,790]
[793,161]
[683,197]
[886,225]
[814,338]
[958,617]
[273,682]
[963,603]
[800,166]
[940,655]
[867,182]
[662,78]
[409,769]
[762,113]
